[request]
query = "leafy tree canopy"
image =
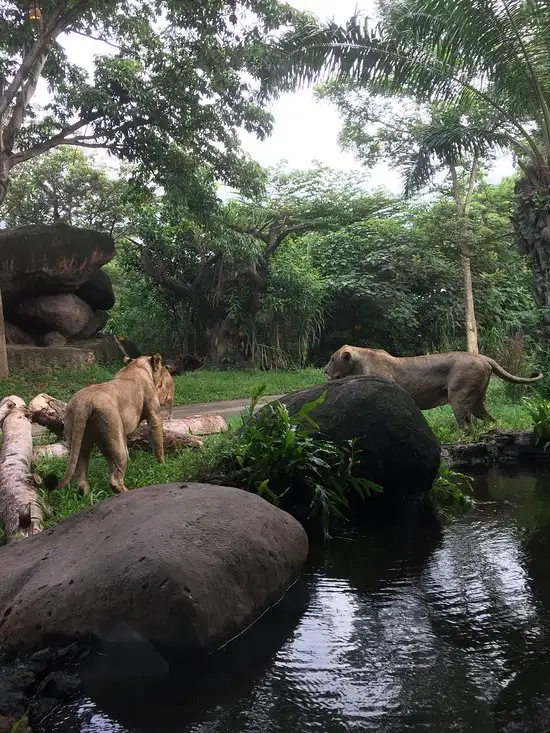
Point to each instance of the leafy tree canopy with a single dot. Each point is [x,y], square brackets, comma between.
[177,83]
[65,184]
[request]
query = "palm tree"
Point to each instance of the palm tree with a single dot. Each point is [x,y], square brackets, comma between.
[413,139]
[488,53]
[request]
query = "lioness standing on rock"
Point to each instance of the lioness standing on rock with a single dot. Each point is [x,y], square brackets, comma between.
[105,414]
[457,377]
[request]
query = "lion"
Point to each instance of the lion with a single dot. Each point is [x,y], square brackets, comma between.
[105,415]
[457,377]
[164,384]
[165,390]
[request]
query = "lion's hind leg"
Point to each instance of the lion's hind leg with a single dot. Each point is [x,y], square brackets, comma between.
[81,471]
[463,416]
[114,447]
[479,410]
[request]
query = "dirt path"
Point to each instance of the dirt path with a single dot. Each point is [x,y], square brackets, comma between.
[227,408]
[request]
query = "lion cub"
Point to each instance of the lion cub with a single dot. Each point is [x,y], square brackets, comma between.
[105,415]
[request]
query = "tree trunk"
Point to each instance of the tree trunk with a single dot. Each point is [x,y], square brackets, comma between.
[222,340]
[4,368]
[20,512]
[50,413]
[463,209]
[470,316]
[4,169]
[531,222]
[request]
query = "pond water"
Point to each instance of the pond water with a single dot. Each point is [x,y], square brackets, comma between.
[391,631]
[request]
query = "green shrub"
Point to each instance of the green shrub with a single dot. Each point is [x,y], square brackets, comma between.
[276,455]
[539,410]
[452,490]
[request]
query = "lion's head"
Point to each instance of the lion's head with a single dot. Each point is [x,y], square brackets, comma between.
[340,364]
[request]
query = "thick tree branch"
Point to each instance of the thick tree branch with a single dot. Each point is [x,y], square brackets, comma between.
[22,100]
[55,141]
[183,290]
[252,231]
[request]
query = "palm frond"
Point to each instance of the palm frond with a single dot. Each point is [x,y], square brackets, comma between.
[437,50]
[446,144]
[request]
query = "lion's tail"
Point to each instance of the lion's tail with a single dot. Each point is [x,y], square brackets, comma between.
[75,425]
[503,374]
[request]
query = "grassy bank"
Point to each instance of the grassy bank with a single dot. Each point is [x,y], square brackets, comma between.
[207,386]
[190,388]
[187,464]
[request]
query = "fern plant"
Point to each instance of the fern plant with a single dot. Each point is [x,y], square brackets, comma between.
[539,410]
[452,490]
[278,456]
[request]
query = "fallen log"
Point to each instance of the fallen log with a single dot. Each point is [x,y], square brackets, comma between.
[50,413]
[20,512]
[51,450]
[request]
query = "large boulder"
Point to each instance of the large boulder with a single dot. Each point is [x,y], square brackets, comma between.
[185,566]
[65,312]
[40,259]
[96,324]
[98,291]
[395,445]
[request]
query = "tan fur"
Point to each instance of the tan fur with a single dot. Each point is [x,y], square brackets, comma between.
[105,414]
[165,388]
[457,377]
[164,384]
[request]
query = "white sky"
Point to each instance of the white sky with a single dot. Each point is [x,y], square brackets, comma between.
[305,129]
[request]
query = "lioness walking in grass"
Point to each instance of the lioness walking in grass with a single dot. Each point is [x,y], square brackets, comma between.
[457,377]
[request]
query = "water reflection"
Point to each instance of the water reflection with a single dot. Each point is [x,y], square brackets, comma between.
[392,633]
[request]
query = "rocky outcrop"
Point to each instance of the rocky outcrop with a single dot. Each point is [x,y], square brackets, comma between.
[496,446]
[394,444]
[41,260]
[37,685]
[186,567]
[52,283]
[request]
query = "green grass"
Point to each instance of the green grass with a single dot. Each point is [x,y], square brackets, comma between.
[59,383]
[181,464]
[209,386]
[190,388]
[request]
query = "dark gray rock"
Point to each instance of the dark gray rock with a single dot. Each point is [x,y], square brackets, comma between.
[60,685]
[98,291]
[13,703]
[186,566]
[54,338]
[395,445]
[97,322]
[41,259]
[16,335]
[65,313]
[22,678]
[497,446]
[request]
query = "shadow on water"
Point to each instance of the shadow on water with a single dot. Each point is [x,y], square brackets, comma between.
[395,630]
